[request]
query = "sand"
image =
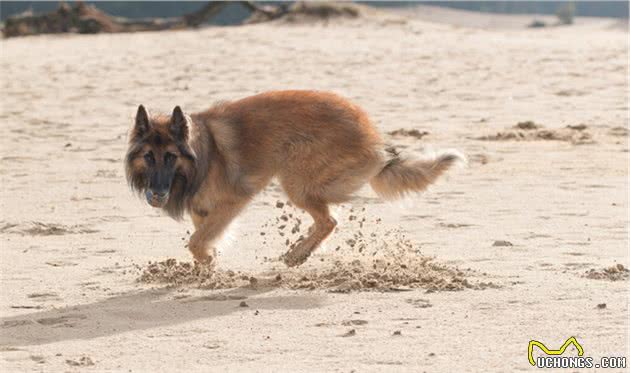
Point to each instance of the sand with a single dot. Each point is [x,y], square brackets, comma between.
[526,242]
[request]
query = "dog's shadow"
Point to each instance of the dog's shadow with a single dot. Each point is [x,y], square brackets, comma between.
[137,311]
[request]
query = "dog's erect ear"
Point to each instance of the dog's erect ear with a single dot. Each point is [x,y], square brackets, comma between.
[179,124]
[142,121]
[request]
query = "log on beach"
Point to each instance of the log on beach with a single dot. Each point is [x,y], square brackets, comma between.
[87,19]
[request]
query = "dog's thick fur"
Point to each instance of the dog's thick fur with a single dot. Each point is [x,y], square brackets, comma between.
[321,147]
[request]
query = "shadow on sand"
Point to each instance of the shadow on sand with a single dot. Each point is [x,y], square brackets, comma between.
[136,311]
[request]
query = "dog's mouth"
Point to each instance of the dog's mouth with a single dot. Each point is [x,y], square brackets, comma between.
[155,199]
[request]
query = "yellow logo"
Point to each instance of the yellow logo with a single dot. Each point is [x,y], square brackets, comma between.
[559,351]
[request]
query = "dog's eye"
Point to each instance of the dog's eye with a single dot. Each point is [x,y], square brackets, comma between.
[169,157]
[148,157]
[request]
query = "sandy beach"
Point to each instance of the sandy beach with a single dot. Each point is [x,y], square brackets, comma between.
[529,241]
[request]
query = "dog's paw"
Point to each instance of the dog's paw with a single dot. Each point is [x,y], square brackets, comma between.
[206,261]
[295,256]
[291,260]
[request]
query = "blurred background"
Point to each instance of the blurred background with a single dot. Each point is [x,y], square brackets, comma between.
[235,13]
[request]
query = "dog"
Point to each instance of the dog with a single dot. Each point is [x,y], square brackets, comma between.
[321,147]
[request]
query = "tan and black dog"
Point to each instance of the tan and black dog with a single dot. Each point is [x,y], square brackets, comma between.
[320,146]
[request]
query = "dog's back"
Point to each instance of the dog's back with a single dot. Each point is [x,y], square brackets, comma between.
[280,124]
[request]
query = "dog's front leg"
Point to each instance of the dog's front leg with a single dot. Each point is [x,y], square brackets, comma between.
[209,224]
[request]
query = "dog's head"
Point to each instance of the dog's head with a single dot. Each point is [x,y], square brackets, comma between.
[160,162]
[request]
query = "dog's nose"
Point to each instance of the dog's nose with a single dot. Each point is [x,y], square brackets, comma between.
[160,194]
[152,194]
[155,198]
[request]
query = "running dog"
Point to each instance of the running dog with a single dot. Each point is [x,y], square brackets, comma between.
[319,146]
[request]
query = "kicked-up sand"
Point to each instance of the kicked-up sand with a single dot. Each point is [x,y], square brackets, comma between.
[528,242]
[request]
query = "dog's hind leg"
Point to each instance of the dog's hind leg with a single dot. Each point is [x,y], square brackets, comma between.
[323,225]
[313,185]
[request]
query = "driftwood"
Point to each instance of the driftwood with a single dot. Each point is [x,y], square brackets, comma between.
[264,13]
[87,19]
[301,11]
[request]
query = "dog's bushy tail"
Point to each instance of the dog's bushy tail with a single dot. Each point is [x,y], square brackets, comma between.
[402,176]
